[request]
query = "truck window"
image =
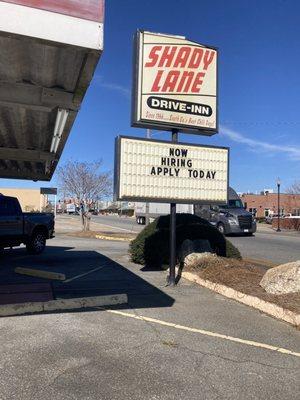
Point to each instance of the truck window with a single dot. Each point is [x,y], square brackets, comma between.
[233,204]
[7,207]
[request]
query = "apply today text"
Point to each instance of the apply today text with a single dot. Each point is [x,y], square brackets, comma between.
[169,164]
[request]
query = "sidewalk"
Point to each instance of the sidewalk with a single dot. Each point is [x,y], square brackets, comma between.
[72,223]
[267,228]
[67,224]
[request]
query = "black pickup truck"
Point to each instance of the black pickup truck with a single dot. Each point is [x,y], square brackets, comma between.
[16,227]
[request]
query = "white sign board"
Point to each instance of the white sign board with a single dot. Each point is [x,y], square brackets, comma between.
[159,171]
[175,84]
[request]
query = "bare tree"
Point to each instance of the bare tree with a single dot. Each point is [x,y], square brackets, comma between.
[84,180]
[294,188]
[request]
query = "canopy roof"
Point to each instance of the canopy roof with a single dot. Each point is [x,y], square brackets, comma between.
[42,84]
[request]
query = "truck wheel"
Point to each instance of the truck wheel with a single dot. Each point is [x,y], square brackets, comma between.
[221,228]
[37,243]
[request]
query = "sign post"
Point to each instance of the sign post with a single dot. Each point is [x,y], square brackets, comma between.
[148,135]
[172,279]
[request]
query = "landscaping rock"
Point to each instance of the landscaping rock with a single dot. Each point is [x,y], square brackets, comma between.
[282,279]
[189,247]
[200,260]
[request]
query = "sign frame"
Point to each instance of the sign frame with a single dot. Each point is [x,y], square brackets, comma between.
[92,11]
[48,190]
[136,120]
[117,170]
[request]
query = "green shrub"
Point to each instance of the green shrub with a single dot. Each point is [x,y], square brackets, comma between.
[137,246]
[151,246]
[232,251]
[163,222]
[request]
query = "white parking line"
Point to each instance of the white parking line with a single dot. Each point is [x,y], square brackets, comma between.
[84,274]
[115,227]
[208,333]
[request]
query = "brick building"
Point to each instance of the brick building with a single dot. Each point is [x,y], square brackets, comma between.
[262,205]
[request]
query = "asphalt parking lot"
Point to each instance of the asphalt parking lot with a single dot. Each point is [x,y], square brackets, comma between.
[166,343]
[88,272]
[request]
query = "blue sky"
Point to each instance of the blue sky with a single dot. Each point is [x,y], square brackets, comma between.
[259,81]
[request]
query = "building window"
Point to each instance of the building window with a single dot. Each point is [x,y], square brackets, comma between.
[267,212]
[253,211]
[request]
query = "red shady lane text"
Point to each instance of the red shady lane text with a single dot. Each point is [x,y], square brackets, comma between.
[180,69]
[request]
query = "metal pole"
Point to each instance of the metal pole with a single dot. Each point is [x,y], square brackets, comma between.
[278,211]
[55,206]
[147,219]
[171,278]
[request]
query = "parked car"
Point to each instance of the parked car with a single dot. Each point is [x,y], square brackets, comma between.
[71,208]
[269,218]
[93,211]
[16,227]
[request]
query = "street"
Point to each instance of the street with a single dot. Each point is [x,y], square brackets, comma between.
[266,244]
[166,343]
[271,246]
[128,223]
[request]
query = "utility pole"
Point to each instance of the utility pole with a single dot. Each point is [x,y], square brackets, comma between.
[278,205]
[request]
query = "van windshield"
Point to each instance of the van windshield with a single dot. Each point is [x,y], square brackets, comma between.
[233,204]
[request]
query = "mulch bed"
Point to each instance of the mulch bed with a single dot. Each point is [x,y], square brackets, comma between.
[244,277]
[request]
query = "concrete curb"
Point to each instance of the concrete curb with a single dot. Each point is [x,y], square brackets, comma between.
[40,274]
[116,238]
[252,301]
[62,304]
